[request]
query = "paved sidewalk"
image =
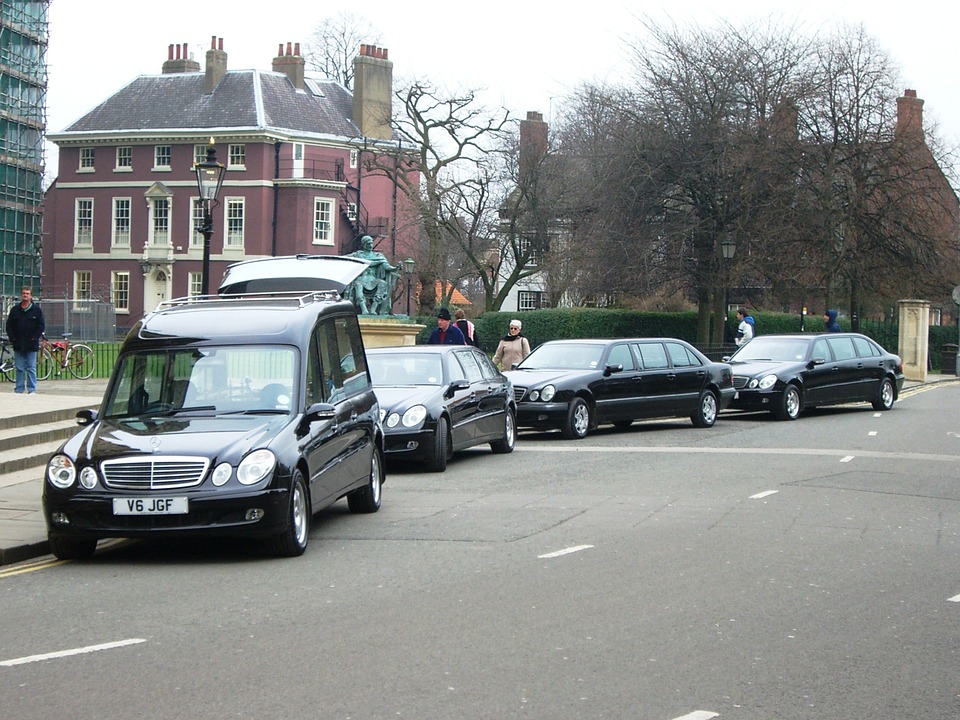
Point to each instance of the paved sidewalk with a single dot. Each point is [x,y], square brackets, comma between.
[23,534]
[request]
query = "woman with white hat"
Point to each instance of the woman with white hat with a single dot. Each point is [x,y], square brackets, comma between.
[513,348]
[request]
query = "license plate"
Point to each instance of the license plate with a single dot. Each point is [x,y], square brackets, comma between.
[150,506]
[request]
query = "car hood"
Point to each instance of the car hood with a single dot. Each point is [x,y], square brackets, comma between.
[530,378]
[404,396]
[764,367]
[217,438]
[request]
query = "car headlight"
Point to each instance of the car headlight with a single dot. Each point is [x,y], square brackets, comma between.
[547,393]
[61,472]
[222,473]
[88,478]
[414,416]
[256,466]
[767,382]
[393,420]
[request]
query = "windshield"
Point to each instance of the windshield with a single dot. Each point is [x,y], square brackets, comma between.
[388,370]
[773,348]
[563,356]
[209,380]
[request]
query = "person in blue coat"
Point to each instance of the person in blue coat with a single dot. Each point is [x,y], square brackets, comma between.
[445,333]
[830,321]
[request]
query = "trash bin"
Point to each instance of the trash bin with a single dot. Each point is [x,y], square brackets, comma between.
[948,359]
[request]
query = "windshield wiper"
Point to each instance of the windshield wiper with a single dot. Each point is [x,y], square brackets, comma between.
[177,411]
[258,411]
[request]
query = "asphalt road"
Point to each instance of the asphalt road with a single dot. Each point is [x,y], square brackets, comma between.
[757,570]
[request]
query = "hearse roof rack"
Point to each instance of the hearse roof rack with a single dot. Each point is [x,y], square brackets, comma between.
[301,299]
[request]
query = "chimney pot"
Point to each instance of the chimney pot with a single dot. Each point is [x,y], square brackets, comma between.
[296,49]
[289,49]
[213,42]
[170,52]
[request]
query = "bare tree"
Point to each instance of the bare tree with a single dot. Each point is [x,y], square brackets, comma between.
[334,43]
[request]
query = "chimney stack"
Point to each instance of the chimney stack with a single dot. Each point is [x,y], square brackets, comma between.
[909,115]
[182,63]
[291,64]
[373,93]
[533,142]
[216,65]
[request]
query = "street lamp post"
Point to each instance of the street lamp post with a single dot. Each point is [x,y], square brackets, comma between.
[209,181]
[409,265]
[728,248]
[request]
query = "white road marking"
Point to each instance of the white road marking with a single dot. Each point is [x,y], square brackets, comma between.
[67,653]
[699,715]
[955,598]
[555,447]
[872,433]
[565,551]
[764,494]
[848,458]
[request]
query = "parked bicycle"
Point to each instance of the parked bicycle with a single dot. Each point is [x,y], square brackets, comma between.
[64,355]
[7,366]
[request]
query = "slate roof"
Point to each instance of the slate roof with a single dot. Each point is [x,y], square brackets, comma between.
[244,100]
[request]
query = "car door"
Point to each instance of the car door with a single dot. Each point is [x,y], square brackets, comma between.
[849,368]
[495,402]
[820,379]
[656,381]
[870,367]
[617,395]
[690,377]
[462,405]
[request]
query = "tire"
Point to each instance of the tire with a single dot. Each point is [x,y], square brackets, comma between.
[367,498]
[886,395]
[578,420]
[81,362]
[292,542]
[45,365]
[441,448]
[68,548]
[790,404]
[509,440]
[707,408]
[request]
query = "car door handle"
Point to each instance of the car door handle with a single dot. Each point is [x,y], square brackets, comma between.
[672,376]
[353,416]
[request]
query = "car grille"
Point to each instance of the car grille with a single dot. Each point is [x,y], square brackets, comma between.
[518,393]
[148,473]
[740,381]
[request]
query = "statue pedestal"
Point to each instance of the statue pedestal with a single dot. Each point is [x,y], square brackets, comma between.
[380,331]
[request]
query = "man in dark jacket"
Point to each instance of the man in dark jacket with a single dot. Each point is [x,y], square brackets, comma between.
[830,321]
[445,333]
[25,325]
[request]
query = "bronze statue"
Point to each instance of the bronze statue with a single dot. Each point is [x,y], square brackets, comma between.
[372,292]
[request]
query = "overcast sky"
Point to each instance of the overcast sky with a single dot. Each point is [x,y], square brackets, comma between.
[526,56]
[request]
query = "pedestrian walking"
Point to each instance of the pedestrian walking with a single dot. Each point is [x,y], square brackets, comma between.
[830,321]
[468,329]
[445,333]
[746,329]
[25,326]
[513,347]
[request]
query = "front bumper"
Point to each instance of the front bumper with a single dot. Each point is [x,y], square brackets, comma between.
[408,444]
[756,399]
[89,514]
[542,415]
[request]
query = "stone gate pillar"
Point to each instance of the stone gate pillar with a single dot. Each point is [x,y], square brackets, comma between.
[914,333]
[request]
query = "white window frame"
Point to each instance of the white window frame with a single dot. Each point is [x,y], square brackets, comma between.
[82,290]
[323,221]
[120,230]
[160,221]
[196,222]
[354,157]
[352,211]
[124,159]
[534,260]
[194,284]
[120,291]
[87,160]
[83,223]
[159,156]
[234,215]
[531,300]
[236,156]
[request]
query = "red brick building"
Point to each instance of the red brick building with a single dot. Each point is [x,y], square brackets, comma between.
[123,219]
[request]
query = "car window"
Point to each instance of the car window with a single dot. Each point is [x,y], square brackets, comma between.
[563,356]
[620,355]
[820,350]
[455,370]
[470,367]
[487,367]
[406,369]
[767,347]
[842,348]
[341,355]
[681,357]
[865,348]
[653,355]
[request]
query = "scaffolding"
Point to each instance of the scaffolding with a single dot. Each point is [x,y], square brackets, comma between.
[23,102]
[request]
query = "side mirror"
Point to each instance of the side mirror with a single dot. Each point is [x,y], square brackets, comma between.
[456,385]
[320,411]
[609,370]
[725,358]
[817,361]
[87,416]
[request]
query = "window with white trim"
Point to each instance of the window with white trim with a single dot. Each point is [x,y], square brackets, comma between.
[124,158]
[237,157]
[82,287]
[199,154]
[160,221]
[234,222]
[354,157]
[322,221]
[120,291]
[83,226]
[196,223]
[532,300]
[161,157]
[352,211]
[528,243]
[194,284]
[86,159]
[120,236]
